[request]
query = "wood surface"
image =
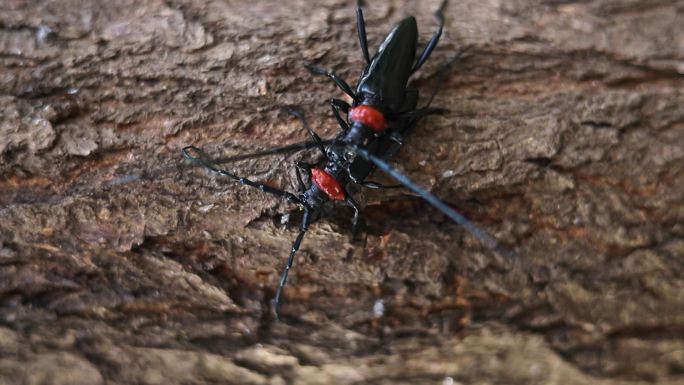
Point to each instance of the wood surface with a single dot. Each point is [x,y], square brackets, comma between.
[120,263]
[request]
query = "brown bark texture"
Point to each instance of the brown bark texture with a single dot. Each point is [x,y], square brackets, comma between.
[121,263]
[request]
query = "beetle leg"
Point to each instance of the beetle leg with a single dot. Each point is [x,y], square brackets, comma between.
[338,105]
[361,28]
[344,86]
[355,220]
[397,138]
[303,227]
[302,167]
[314,135]
[433,41]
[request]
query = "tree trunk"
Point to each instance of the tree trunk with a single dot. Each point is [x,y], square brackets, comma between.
[121,263]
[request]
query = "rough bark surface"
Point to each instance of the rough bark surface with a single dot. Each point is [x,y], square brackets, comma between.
[121,264]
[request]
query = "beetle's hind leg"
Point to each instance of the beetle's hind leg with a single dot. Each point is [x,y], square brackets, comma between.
[303,228]
[355,220]
[439,14]
[361,28]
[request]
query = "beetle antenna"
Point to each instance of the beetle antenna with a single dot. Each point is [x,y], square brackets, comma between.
[487,239]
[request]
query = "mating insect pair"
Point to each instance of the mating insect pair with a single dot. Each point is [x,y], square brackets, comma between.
[384,110]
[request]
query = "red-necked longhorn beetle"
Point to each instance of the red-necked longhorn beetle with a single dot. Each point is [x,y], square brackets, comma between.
[383,111]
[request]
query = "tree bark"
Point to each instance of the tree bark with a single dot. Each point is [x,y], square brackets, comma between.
[121,263]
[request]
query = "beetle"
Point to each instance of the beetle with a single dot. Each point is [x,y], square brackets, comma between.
[383,105]
[383,111]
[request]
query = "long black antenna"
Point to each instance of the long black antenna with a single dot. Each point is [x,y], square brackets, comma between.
[295,147]
[201,158]
[484,237]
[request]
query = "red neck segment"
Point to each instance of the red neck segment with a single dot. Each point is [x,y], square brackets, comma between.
[330,186]
[368,116]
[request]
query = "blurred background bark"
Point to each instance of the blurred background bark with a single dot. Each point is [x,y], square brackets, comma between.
[121,264]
